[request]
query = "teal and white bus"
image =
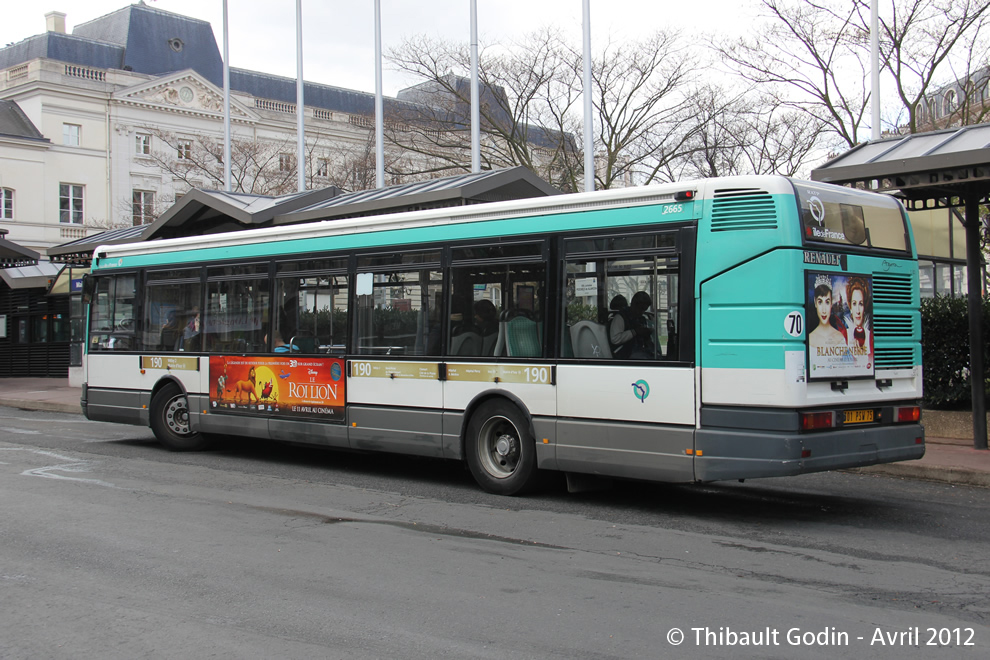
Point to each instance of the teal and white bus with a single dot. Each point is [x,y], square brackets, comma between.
[717,329]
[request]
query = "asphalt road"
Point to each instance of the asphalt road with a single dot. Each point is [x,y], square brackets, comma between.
[112,547]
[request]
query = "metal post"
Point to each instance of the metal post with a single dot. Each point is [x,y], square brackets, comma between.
[589,141]
[875,68]
[379,102]
[977,372]
[300,105]
[475,107]
[226,101]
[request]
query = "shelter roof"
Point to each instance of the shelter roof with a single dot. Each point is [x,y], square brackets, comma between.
[29,277]
[80,251]
[928,170]
[459,190]
[13,255]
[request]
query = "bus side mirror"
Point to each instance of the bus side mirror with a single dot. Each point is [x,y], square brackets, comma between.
[88,288]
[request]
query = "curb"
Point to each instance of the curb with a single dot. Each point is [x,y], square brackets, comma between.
[955,476]
[45,406]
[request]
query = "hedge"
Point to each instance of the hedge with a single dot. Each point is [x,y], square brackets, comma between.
[945,351]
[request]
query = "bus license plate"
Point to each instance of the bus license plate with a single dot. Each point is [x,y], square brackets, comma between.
[859,416]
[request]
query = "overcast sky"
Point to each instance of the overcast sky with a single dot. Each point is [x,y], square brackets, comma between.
[338,35]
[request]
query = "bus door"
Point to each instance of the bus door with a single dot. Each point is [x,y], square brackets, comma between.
[394,392]
[306,382]
[626,401]
[496,339]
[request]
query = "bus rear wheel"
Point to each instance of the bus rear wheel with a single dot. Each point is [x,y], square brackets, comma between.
[501,452]
[170,421]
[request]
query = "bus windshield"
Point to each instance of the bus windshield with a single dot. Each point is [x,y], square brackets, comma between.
[849,217]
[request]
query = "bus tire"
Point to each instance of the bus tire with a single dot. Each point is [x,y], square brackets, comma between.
[501,452]
[170,421]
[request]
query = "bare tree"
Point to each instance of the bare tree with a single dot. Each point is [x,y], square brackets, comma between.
[530,107]
[808,54]
[924,41]
[745,133]
[262,167]
[813,55]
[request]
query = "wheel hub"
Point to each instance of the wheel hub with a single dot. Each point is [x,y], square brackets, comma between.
[503,446]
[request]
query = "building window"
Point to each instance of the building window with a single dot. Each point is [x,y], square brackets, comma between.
[142,205]
[949,103]
[6,203]
[142,144]
[286,162]
[70,203]
[323,168]
[70,134]
[184,150]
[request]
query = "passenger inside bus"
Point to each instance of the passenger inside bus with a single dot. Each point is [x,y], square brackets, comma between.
[191,335]
[171,333]
[630,334]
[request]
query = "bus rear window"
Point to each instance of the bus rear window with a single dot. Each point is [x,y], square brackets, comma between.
[844,216]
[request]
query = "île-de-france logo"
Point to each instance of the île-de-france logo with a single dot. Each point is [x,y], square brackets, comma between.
[817,209]
[641,390]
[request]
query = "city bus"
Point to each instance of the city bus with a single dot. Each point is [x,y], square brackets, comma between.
[718,329]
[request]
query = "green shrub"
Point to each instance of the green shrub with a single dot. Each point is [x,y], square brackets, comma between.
[945,351]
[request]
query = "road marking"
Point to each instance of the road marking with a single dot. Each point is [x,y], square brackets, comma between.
[71,467]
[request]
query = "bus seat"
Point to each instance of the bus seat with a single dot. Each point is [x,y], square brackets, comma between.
[522,337]
[488,344]
[566,349]
[466,343]
[303,343]
[500,340]
[590,340]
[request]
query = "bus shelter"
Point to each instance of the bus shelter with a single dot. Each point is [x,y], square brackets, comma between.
[949,168]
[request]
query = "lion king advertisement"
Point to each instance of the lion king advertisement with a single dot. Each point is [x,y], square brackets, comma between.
[285,386]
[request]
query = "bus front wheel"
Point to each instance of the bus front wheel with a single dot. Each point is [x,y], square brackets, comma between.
[501,452]
[170,421]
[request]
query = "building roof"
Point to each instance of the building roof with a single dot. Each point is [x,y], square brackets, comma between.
[64,48]
[928,170]
[155,42]
[459,190]
[14,123]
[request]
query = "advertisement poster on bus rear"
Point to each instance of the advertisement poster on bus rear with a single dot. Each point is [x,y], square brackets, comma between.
[840,313]
[296,386]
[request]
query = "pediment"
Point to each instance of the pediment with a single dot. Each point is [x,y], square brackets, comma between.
[185,91]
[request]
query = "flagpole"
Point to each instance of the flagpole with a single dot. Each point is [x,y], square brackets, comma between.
[379,102]
[875,68]
[300,105]
[589,143]
[475,102]
[226,101]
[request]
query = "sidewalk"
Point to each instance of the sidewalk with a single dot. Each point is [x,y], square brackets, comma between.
[947,460]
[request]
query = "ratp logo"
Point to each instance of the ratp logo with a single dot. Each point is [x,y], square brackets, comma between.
[641,390]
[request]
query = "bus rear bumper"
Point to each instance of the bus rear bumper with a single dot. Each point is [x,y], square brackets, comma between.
[722,454]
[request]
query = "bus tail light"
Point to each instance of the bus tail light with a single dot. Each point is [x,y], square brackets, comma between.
[812,421]
[908,414]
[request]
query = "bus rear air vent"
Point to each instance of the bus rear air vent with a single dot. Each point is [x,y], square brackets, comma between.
[740,209]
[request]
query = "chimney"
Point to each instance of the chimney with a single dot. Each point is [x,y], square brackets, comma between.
[55,21]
